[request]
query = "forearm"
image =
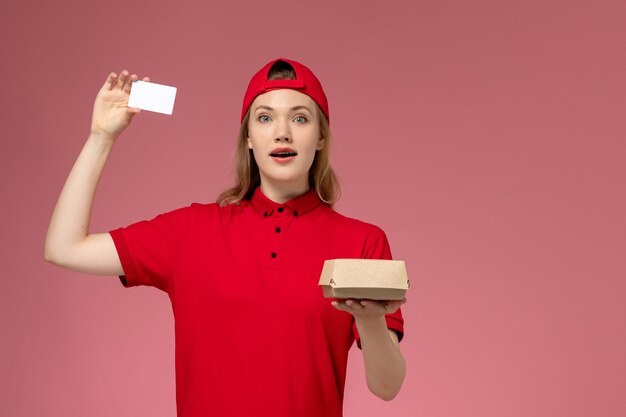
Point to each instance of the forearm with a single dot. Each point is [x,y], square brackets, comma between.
[69,224]
[385,366]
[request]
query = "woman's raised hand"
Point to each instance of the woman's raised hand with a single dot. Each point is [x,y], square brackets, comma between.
[111,114]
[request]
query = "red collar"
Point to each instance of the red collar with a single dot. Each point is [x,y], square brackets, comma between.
[298,206]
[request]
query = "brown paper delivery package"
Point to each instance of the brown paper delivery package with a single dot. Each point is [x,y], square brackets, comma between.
[373,279]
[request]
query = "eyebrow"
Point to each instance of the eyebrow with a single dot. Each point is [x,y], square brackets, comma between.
[292,109]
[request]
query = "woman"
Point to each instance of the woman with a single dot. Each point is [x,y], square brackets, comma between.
[254,336]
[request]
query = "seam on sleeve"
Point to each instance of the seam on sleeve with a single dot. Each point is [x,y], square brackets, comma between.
[126,259]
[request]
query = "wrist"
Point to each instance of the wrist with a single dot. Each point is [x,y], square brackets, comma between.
[377,321]
[102,137]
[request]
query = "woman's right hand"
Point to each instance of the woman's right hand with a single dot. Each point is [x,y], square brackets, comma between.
[111,114]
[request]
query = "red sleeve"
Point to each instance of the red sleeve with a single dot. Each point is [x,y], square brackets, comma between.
[377,247]
[149,250]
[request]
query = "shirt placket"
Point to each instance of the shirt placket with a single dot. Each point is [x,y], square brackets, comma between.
[278,223]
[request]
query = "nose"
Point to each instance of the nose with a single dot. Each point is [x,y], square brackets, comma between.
[283,133]
[286,139]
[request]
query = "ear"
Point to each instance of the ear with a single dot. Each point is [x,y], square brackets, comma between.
[320,144]
[249,144]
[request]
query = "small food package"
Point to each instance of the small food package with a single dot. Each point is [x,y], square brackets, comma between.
[373,279]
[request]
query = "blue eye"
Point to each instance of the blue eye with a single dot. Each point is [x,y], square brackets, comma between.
[264,118]
[300,119]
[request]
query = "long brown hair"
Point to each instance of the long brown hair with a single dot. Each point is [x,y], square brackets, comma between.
[322,178]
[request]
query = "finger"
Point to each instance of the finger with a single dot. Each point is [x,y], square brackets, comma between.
[393,306]
[110,81]
[129,83]
[376,306]
[355,304]
[398,302]
[395,303]
[121,80]
[340,305]
[146,79]
[371,303]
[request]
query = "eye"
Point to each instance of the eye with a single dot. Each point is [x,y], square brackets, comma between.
[300,119]
[264,118]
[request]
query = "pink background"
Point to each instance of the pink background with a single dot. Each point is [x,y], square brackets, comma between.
[486,138]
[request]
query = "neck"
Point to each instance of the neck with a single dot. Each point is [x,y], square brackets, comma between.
[281,193]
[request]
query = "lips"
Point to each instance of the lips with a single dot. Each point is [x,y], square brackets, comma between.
[283,153]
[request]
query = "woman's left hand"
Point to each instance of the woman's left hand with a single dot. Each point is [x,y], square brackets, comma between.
[365,309]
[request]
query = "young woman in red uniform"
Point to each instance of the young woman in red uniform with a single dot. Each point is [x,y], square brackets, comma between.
[254,335]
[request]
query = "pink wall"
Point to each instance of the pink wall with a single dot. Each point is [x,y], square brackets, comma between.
[485,137]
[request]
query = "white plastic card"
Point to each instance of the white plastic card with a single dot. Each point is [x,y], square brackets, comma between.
[152,97]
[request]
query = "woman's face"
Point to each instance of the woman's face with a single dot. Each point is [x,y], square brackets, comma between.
[284,134]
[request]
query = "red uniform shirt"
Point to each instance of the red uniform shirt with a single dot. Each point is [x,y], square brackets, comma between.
[254,334]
